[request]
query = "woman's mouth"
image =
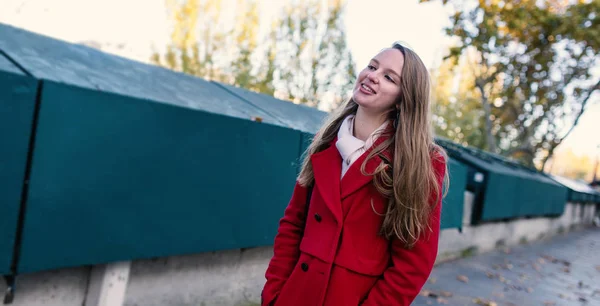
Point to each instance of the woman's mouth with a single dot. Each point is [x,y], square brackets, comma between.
[366,89]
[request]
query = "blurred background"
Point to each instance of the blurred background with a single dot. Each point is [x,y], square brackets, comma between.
[516,78]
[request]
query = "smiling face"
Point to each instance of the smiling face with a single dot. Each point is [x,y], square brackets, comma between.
[378,85]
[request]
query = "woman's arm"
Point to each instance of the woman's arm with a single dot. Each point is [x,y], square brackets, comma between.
[410,269]
[286,247]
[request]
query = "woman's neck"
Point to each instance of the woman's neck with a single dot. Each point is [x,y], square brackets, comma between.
[365,124]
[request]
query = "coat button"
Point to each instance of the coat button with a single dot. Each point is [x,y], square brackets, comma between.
[318,217]
[304,266]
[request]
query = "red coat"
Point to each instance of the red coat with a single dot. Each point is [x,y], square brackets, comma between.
[341,260]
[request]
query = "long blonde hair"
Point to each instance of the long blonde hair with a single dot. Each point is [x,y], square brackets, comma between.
[409,180]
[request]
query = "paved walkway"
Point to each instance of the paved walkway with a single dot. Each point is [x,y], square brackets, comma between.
[564,270]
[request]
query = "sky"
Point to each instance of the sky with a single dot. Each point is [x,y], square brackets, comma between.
[131,28]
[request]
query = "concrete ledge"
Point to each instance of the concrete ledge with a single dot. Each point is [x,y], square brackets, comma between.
[65,287]
[217,278]
[236,277]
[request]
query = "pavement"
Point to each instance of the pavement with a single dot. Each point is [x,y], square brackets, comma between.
[562,270]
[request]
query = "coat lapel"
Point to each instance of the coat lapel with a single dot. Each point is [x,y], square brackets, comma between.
[354,179]
[327,169]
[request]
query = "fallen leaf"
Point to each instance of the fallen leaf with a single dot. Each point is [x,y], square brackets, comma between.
[490,274]
[462,278]
[508,266]
[529,290]
[446,294]
[537,267]
[541,261]
[598,268]
[433,280]
[549,303]
[562,296]
[566,270]
[499,295]
[442,301]
[428,293]
[483,302]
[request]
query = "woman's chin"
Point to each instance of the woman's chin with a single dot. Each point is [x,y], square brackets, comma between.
[361,100]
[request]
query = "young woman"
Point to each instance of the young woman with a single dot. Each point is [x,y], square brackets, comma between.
[375,176]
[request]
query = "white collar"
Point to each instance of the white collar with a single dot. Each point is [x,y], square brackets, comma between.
[348,145]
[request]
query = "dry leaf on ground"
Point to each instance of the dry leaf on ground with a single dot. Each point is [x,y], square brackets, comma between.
[562,296]
[549,303]
[446,294]
[483,302]
[432,280]
[463,278]
[442,301]
[541,261]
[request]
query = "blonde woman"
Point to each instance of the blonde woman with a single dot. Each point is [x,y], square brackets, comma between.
[363,222]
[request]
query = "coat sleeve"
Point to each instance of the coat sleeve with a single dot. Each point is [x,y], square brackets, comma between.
[286,246]
[410,269]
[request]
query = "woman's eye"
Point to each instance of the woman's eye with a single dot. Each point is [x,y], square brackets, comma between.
[371,67]
[389,78]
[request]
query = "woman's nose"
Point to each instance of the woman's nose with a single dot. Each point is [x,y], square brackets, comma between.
[372,76]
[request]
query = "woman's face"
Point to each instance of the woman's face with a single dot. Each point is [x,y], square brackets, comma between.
[378,85]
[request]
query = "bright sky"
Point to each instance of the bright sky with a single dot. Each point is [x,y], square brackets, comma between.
[131,27]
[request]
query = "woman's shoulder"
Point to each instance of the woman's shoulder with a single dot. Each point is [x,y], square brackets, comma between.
[439,157]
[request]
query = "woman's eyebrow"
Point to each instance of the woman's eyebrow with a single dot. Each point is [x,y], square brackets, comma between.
[388,69]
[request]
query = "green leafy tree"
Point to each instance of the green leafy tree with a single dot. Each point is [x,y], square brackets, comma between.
[533,68]
[304,58]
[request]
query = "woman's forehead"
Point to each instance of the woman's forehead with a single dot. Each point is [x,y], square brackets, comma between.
[390,57]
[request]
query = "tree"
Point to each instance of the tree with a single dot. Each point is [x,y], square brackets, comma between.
[533,71]
[196,40]
[457,111]
[314,63]
[304,58]
[246,39]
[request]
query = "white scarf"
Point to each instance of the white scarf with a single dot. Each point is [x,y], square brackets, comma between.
[350,147]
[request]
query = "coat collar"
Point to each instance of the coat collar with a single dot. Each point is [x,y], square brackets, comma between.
[327,169]
[354,178]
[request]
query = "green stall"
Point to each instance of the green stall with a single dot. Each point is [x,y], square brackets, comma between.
[453,203]
[17,104]
[579,191]
[135,161]
[305,119]
[506,190]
